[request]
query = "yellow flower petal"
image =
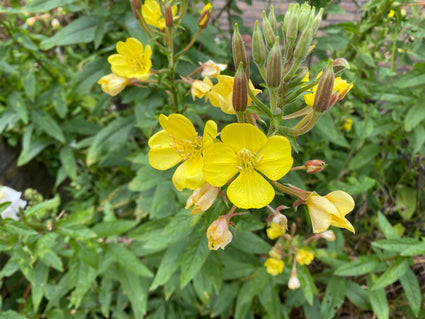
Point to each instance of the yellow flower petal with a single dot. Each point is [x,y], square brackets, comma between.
[342,223]
[274,266]
[241,135]
[220,164]
[342,201]
[210,134]
[304,257]
[189,174]
[162,155]
[275,231]
[250,190]
[276,159]
[179,126]
[318,208]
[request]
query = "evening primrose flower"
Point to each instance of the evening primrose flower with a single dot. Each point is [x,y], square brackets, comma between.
[218,233]
[202,197]
[340,89]
[304,257]
[151,12]
[211,69]
[201,89]
[330,210]
[221,93]
[348,124]
[294,282]
[8,194]
[274,266]
[275,231]
[132,61]
[179,142]
[112,84]
[246,150]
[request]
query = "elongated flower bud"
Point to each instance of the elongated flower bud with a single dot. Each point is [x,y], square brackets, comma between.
[268,31]
[303,16]
[205,16]
[240,90]
[168,16]
[290,26]
[324,91]
[274,66]
[272,19]
[340,64]
[316,21]
[303,47]
[314,166]
[238,48]
[136,6]
[258,47]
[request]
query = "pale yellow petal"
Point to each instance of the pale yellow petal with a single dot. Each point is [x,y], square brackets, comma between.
[242,135]
[220,164]
[250,190]
[162,155]
[342,223]
[180,127]
[319,208]
[342,201]
[210,134]
[189,174]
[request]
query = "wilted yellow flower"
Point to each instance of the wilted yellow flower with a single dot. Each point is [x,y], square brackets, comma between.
[218,233]
[205,16]
[340,89]
[112,84]
[201,89]
[274,266]
[55,23]
[30,21]
[203,197]
[221,93]
[348,124]
[132,61]
[151,12]
[211,69]
[294,282]
[275,231]
[245,150]
[304,257]
[328,235]
[330,210]
[179,142]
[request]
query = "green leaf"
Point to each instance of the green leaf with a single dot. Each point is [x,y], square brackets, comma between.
[41,276]
[406,202]
[45,5]
[105,295]
[28,79]
[414,116]
[114,227]
[269,298]
[194,256]
[68,161]
[17,103]
[31,146]
[366,155]
[396,270]
[250,243]
[79,232]
[386,227]
[357,295]
[99,32]
[415,250]
[127,260]
[9,314]
[58,98]
[334,297]
[326,128]
[109,138]
[146,178]
[378,299]
[15,227]
[48,124]
[307,283]
[85,276]
[397,244]
[51,259]
[43,207]
[225,299]
[4,206]
[412,290]
[360,266]
[412,79]
[417,138]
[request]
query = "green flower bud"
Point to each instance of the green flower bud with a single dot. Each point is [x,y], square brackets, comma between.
[303,16]
[340,64]
[274,66]
[268,31]
[238,48]
[316,21]
[240,90]
[290,27]
[322,98]
[303,47]
[272,19]
[258,47]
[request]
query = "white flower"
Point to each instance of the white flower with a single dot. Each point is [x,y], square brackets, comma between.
[211,69]
[8,194]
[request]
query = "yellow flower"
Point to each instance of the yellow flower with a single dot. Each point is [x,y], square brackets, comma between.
[218,233]
[203,197]
[348,124]
[211,69]
[275,231]
[330,210]
[221,93]
[151,12]
[205,16]
[131,61]
[274,266]
[340,89]
[391,13]
[179,142]
[200,89]
[328,235]
[304,257]
[112,84]
[245,150]
[294,282]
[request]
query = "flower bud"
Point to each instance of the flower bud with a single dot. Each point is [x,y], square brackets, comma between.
[274,66]
[290,24]
[205,16]
[168,15]
[112,84]
[45,17]
[258,47]
[240,90]
[238,48]
[55,23]
[218,233]
[274,266]
[303,47]
[328,235]
[272,20]
[268,31]
[316,21]
[30,21]
[304,257]
[136,7]
[303,16]
[340,64]
[322,99]
[294,282]
[280,220]
[203,197]
[314,166]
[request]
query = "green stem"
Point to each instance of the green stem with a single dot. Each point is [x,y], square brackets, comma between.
[189,45]
[260,105]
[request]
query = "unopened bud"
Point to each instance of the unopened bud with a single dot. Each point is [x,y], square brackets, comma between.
[55,23]
[280,220]
[290,26]
[340,64]
[168,15]
[274,66]
[136,6]
[205,16]
[45,17]
[268,31]
[272,20]
[258,47]
[30,21]
[314,166]
[240,90]
[322,99]
[316,21]
[294,282]
[238,48]
[303,47]
[328,235]
[303,16]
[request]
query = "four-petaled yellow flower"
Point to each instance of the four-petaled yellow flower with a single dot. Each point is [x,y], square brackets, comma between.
[304,257]
[132,61]
[112,84]
[201,89]
[218,233]
[246,150]
[151,12]
[221,93]
[179,142]
[274,266]
[330,210]
[203,197]
[340,89]
[275,231]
